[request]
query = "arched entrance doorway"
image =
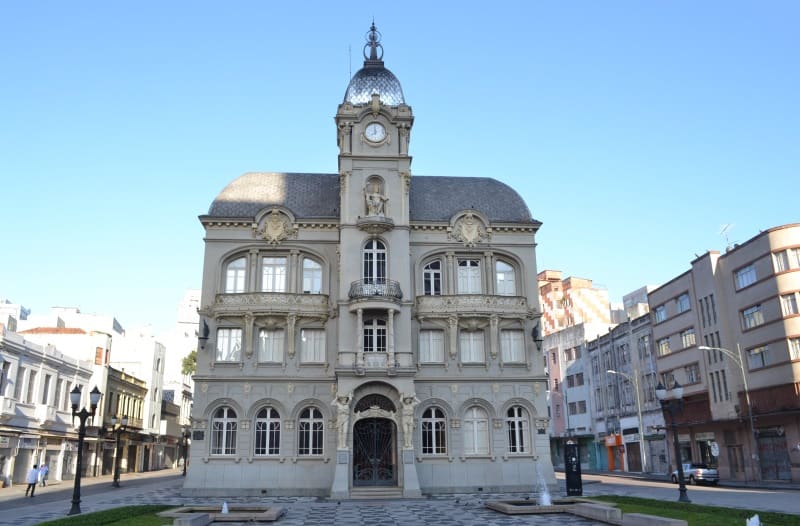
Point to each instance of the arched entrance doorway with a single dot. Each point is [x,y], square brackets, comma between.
[374,442]
[374,452]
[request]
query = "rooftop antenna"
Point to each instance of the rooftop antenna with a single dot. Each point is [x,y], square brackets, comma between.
[724,233]
[350,61]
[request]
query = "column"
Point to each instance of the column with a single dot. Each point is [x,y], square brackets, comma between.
[453,326]
[252,270]
[488,264]
[248,335]
[291,320]
[493,335]
[360,337]
[292,272]
[390,338]
[449,271]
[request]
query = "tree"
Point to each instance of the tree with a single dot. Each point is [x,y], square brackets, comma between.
[189,364]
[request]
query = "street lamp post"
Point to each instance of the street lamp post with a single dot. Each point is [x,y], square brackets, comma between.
[673,406]
[737,358]
[635,381]
[83,415]
[185,436]
[118,429]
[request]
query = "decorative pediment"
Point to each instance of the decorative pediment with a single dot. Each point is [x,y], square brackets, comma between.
[470,228]
[275,227]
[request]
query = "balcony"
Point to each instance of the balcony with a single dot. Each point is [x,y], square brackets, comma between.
[374,293]
[45,414]
[478,305]
[374,224]
[275,303]
[8,408]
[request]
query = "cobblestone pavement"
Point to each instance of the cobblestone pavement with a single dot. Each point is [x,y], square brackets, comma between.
[459,510]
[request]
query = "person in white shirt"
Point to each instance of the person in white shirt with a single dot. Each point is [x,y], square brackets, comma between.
[32,479]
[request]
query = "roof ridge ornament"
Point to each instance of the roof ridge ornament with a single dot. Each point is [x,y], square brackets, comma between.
[375,57]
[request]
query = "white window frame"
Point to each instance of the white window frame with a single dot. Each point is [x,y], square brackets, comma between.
[310,432]
[469,276]
[518,428]
[432,278]
[223,431]
[505,279]
[471,344]
[745,276]
[431,346]
[270,345]
[512,346]
[229,345]
[267,436]
[688,338]
[692,373]
[794,348]
[476,431]
[236,276]
[373,269]
[312,276]
[375,335]
[758,357]
[434,431]
[789,304]
[662,347]
[312,345]
[660,313]
[752,317]
[273,273]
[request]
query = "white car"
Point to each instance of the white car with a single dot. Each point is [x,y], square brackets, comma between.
[695,473]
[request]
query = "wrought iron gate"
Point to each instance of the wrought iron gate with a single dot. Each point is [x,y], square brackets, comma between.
[374,453]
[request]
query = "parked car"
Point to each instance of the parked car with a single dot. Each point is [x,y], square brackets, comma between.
[696,473]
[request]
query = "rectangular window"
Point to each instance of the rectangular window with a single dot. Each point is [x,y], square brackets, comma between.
[581,407]
[60,394]
[682,303]
[229,345]
[713,386]
[472,347]
[570,381]
[794,348]
[432,279]
[312,345]
[312,277]
[598,399]
[18,383]
[31,387]
[469,276]
[270,345]
[579,379]
[781,260]
[512,346]
[688,338]
[572,407]
[789,304]
[702,312]
[273,275]
[663,347]
[713,307]
[745,276]
[431,346]
[660,313]
[725,386]
[692,372]
[46,389]
[758,357]
[752,317]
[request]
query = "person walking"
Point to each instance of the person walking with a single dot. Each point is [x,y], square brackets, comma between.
[43,471]
[32,479]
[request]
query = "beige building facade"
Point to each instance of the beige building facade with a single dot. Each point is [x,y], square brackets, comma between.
[369,331]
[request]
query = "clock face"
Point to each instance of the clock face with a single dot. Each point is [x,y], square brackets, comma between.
[375,132]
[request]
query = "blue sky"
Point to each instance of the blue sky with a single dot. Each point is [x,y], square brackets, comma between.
[633,130]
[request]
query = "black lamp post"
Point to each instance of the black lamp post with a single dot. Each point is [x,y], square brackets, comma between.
[83,415]
[117,428]
[674,406]
[185,437]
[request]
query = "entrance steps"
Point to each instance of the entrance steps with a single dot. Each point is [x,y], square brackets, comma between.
[376,493]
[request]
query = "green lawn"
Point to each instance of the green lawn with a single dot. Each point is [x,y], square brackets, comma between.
[125,516]
[695,514]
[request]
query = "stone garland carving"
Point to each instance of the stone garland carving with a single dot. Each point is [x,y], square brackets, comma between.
[277,228]
[469,229]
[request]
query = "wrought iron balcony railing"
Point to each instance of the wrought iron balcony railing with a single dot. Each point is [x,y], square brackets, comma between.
[375,289]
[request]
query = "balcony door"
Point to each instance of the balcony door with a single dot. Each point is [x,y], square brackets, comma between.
[374,262]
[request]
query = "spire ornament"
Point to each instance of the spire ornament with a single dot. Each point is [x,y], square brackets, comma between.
[375,56]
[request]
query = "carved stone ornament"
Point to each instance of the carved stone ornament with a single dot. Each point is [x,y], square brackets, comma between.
[470,230]
[276,228]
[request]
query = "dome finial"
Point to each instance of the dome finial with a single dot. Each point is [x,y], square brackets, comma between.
[374,45]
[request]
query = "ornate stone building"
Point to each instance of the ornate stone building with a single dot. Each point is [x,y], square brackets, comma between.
[369,331]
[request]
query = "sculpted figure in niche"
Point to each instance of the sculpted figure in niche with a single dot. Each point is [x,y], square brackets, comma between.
[375,199]
[409,403]
[342,403]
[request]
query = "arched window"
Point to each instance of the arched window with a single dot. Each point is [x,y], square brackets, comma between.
[268,432]
[434,432]
[374,335]
[374,268]
[223,432]
[517,426]
[312,277]
[476,431]
[432,279]
[469,276]
[310,429]
[273,275]
[235,274]
[505,283]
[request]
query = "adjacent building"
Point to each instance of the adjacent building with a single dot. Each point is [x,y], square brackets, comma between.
[369,330]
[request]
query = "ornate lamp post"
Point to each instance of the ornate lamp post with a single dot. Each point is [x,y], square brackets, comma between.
[634,380]
[674,406]
[83,415]
[185,438]
[118,428]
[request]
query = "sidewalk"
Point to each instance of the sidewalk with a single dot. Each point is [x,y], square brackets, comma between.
[662,477]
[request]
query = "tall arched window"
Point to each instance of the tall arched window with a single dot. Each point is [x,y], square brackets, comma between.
[432,279]
[235,274]
[505,283]
[312,277]
[476,431]
[310,429]
[434,432]
[517,426]
[223,432]
[375,335]
[268,432]
[374,264]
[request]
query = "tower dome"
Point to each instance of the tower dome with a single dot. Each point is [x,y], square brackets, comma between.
[374,77]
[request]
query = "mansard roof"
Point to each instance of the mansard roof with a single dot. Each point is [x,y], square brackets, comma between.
[316,196]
